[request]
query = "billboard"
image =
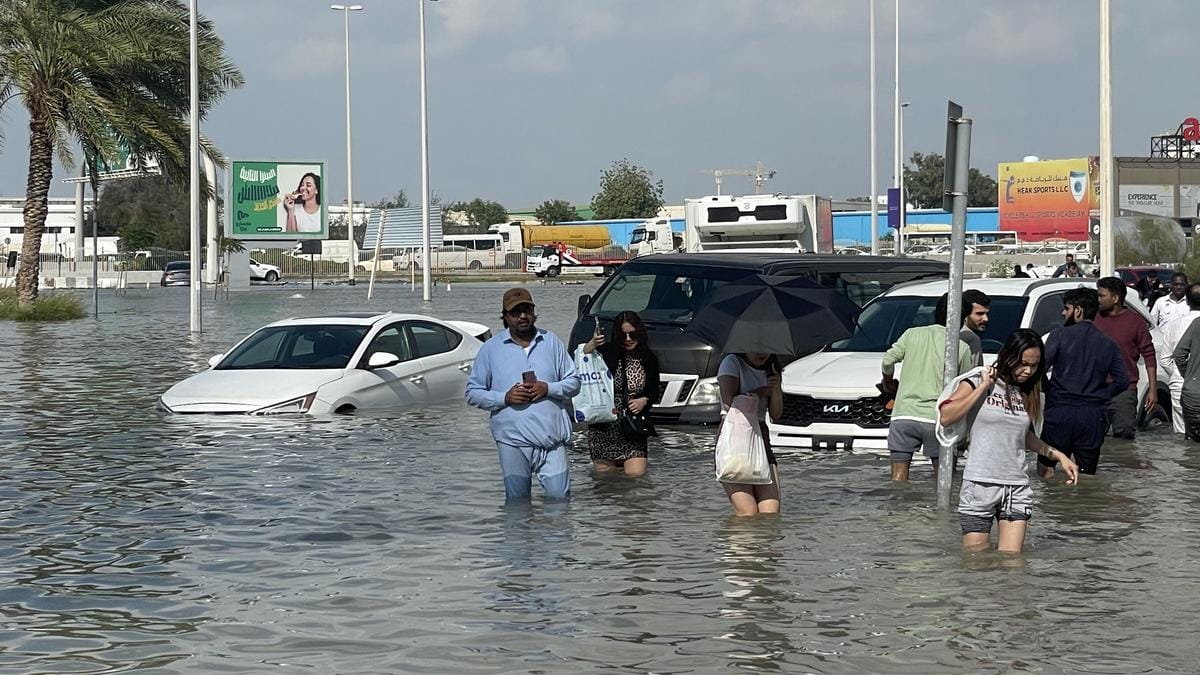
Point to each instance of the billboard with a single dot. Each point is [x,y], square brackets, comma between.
[277,200]
[1050,199]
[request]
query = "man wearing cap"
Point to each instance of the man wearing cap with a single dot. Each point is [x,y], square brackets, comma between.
[525,378]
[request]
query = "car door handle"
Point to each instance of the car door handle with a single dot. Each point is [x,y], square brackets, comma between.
[417,379]
[465,366]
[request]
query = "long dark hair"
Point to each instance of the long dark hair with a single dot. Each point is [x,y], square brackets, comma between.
[617,337]
[771,367]
[316,184]
[1010,359]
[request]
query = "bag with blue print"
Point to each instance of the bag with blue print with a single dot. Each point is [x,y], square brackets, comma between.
[594,402]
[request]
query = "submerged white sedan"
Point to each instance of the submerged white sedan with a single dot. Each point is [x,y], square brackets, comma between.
[334,364]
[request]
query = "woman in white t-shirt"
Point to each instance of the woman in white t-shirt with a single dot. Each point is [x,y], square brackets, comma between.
[1006,402]
[758,374]
[304,205]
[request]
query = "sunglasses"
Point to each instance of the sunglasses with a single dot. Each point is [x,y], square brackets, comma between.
[630,336]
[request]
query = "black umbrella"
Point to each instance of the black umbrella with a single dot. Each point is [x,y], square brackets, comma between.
[775,315]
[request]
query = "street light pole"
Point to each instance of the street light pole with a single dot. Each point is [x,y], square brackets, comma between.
[897,181]
[874,168]
[351,256]
[194,170]
[1107,243]
[426,280]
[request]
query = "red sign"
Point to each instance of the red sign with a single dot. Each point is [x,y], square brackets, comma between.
[1191,129]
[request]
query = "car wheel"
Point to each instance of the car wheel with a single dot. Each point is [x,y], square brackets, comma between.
[475,265]
[272,276]
[610,270]
[553,272]
[345,409]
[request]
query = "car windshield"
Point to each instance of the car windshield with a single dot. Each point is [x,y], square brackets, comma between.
[178,266]
[663,297]
[886,319]
[296,347]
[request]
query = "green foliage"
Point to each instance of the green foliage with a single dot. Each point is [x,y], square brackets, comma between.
[480,213]
[150,211]
[106,76]
[1147,240]
[1000,268]
[397,201]
[627,191]
[925,183]
[51,307]
[555,211]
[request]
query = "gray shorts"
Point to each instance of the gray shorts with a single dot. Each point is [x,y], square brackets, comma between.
[905,437]
[981,503]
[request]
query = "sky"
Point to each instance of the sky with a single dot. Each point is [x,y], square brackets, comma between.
[530,100]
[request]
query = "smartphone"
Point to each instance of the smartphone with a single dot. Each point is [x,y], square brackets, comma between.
[597,332]
[529,377]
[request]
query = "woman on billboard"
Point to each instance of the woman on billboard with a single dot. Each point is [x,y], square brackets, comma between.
[304,205]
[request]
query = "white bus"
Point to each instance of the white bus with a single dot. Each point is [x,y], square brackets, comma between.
[460,252]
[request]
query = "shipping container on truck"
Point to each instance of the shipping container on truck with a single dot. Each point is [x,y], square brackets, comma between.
[764,223]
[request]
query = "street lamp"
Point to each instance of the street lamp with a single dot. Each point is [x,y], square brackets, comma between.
[900,177]
[193,170]
[874,171]
[426,280]
[351,257]
[897,178]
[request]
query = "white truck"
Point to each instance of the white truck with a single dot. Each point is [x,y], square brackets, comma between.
[770,223]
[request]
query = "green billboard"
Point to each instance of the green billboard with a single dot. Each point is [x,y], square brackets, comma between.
[277,200]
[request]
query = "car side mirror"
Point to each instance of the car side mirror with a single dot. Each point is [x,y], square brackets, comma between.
[382,360]
[582,304]
[214,360]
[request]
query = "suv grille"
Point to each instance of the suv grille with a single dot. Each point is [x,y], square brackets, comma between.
[801,411]
[684,391]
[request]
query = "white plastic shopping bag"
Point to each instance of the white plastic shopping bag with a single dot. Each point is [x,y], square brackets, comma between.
[594,402]
[741,453]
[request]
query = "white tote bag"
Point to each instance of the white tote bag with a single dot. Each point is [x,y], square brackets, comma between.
[741,453]
[594,402]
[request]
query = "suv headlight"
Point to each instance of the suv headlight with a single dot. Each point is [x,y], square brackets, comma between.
[296,405]
[706,392]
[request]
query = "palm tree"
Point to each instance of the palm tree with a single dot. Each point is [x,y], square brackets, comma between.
[103,74]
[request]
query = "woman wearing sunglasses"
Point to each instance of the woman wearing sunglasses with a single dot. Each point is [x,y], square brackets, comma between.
[635,379]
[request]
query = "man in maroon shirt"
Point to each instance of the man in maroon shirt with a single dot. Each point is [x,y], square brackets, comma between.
[1132,335]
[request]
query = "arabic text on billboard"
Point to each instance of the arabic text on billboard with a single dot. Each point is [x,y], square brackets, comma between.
[1050,199]
[277,200]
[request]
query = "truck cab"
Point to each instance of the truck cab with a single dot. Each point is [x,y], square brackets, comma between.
[653,236]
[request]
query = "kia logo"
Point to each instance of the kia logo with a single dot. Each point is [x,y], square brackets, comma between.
[837,409]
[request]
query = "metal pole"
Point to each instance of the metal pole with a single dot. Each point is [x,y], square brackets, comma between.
[958,236]
[1107,192]
[80,251]
[351,258]
[194,169]
[426,280]
[874,168]
[95,252]
[898,170]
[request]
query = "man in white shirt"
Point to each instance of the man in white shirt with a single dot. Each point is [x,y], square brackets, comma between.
[1172,331]
[1173,305]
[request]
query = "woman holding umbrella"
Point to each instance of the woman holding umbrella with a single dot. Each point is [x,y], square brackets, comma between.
[756,374]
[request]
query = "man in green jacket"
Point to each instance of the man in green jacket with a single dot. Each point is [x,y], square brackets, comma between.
[922,349]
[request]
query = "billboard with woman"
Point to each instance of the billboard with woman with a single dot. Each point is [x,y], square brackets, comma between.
[277,200]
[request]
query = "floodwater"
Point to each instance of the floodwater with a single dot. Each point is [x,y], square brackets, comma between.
[380,544]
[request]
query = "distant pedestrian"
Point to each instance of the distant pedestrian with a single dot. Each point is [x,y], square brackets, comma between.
[975,307]
[1172,333]
[922,350]
[1172,305]
[525,378]
[635,384]
[1002,404]
[1019,272]
[1086,372]
[1073,271]
[756,374]
[1032,271]
[1187,359]
[1062,269]
[1150,288]
[1132,334]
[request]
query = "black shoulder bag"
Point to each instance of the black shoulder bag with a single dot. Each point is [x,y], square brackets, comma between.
[633,427]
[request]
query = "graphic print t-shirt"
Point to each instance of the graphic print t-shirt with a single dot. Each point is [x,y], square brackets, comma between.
[997,450]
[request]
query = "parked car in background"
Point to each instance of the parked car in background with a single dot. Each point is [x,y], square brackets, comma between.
[176,273]
[263,272]
[1132,275]
[830,399]
[334,364]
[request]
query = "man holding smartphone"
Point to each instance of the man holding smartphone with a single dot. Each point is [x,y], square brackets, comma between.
[525,378]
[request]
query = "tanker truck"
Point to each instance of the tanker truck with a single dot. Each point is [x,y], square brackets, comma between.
[519,237]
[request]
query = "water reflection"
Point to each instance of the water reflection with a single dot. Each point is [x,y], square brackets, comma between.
[380,543]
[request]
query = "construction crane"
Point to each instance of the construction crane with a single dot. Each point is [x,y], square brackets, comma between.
[759,174]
